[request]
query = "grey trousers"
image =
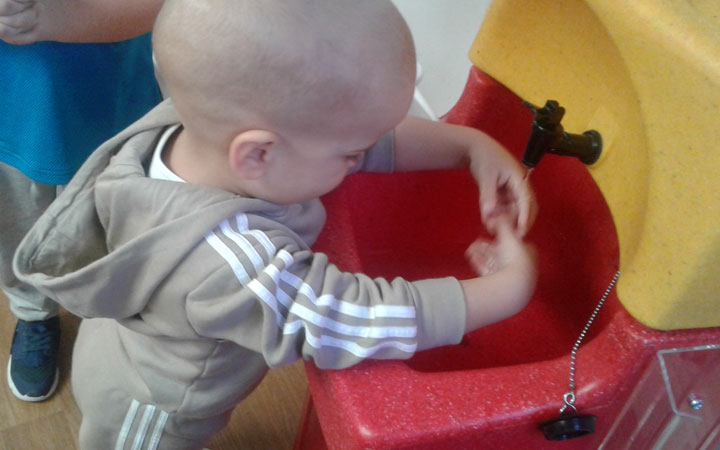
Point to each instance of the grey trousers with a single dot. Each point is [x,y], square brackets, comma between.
[22,201]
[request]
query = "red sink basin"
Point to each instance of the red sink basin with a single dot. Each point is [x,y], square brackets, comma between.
[496,386]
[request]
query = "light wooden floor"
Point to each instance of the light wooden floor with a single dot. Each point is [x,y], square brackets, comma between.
[266,420]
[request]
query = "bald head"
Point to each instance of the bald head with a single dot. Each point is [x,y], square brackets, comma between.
[233,64]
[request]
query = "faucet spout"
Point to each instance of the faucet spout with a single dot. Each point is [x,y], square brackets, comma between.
[548,136]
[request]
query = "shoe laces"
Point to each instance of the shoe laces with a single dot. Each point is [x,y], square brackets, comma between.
[37,338]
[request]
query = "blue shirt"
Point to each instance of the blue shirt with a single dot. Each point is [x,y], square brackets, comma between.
[58,102]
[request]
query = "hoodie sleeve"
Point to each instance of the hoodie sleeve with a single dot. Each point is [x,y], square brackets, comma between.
[284,301]
[380,157]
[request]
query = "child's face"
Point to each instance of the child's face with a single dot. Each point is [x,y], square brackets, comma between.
[314,162]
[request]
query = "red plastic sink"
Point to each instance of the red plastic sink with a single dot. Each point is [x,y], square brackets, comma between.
[496,386]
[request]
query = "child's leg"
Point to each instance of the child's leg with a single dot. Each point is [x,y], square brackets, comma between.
[147,429]
[116,403]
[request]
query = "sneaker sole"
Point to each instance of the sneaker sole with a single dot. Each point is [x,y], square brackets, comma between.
[26,398]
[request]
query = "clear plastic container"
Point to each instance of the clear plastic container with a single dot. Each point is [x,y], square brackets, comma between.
[675,405]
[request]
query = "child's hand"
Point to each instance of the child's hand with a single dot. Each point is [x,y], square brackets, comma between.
[507,279]
[487,257]
[426,145]
[18,20]
[504,189]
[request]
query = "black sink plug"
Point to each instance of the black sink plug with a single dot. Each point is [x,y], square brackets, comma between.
[548,136]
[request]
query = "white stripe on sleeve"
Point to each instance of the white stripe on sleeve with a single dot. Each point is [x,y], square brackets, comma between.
[228,255]
[268,298]
[376,332]
[274,295]
[127,423]
[349,346]
[242,224]
[143,427]
[244,245]
[158,430]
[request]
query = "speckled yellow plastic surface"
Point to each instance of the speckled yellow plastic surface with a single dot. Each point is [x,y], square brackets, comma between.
[646,75]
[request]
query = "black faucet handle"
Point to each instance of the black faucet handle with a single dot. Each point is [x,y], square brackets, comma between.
[549,116]
[548,136]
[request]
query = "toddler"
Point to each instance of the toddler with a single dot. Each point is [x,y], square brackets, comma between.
[184,241]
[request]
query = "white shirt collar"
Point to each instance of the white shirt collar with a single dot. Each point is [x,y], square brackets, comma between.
[158,170]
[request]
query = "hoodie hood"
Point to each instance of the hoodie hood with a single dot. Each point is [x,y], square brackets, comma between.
[113,235]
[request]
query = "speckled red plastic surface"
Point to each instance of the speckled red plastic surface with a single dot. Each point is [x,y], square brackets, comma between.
[492,390]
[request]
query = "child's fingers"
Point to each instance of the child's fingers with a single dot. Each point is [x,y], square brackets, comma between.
[488,196]
[525,204]
[524,215]
[482,257]
[504,228]
[531,215]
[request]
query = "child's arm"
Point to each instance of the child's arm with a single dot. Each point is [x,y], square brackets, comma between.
[424,145]
[508,278]
[268,293]
[28,21]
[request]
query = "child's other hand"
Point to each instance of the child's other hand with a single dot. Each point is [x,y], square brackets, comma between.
[18,21]
[504,189]
[425,145]
[507,209]
[487,258]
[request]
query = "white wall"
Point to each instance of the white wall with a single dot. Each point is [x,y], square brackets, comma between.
[443,31]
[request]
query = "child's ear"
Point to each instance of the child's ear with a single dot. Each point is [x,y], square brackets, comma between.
[249,153]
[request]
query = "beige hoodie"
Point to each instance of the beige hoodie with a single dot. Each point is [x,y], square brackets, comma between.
[207,289]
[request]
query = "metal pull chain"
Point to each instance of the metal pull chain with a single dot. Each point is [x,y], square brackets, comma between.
[569,397]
